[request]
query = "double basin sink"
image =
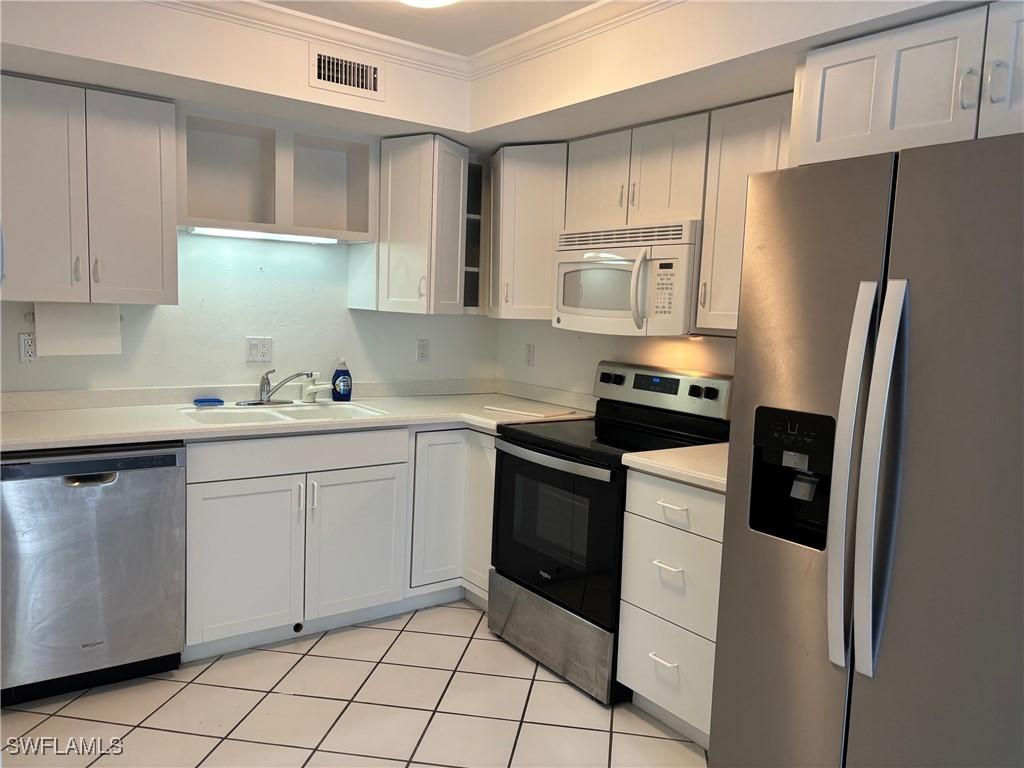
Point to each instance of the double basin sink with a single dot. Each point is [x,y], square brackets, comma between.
[276,414]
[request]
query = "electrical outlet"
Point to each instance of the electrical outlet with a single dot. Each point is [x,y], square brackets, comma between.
[422,350]
[26,347]
[260,349]
[531,355]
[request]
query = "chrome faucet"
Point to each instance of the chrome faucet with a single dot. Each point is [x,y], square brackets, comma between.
[267,392]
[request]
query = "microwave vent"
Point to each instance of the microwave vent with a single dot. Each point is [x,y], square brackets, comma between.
[339,71]
[666,234]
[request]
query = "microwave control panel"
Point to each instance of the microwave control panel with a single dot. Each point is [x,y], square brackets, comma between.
[664,276]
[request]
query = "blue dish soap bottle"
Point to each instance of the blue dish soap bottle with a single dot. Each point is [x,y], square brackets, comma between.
[341,381]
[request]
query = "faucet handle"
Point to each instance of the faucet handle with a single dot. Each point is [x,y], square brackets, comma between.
[266,374]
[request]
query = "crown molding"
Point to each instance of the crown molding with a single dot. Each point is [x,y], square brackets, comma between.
[284,21]
[595,19]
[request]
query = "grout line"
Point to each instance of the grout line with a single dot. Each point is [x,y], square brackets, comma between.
[447,685]
[522,716]
[48,715]
[611,733]
[357,690]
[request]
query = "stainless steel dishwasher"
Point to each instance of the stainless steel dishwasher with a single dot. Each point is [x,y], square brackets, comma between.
[93,566]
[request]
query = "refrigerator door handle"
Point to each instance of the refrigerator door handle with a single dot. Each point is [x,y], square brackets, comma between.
[866,593]
[842,463]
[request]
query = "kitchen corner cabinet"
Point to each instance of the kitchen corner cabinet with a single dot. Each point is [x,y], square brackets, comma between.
[438,508]
[88,182]
[355,528]
[744,139]
[646,176]
[422,250]
[1002,90]
[245,568]
[528,212]
[910,86]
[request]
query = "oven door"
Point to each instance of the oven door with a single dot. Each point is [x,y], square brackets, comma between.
[558,530]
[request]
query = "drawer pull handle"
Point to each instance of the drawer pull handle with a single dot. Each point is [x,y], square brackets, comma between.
[665,505]
[661,661]
[666,567]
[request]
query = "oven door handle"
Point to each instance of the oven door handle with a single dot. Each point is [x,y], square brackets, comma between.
[553,462]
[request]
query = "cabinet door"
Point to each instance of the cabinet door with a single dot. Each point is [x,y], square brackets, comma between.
[1002,92]
[480,462]
[531,214]
[244,559]
[748,138]
[439,501]
[44,218]
[494,272]
[355,539]
[666,171]
[406,192]
[133,241]
[596,183]
[448,255]
[907,87]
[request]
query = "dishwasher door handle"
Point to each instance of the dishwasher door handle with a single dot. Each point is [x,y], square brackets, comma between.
[90,480]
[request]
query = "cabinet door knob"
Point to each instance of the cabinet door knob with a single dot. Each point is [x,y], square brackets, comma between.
[704,294]
[968,100]
[622,194]
[96,269]
[632,194]
[661,661]
[506,293]
[997,64]
[421,288]
[77,269]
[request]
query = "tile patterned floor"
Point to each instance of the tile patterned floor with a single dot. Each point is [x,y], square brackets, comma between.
[429,688]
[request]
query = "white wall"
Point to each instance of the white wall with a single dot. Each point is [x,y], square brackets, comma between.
[566,360]
[230,289]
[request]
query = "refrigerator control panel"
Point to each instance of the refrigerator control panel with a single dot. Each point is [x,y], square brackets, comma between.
[792,471]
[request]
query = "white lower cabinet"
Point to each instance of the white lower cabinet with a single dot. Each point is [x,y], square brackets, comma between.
[480,463]
[244,563]
[355,539]
[438,508]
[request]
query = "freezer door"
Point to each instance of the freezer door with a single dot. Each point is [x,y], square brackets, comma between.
[945,608]
[813,236]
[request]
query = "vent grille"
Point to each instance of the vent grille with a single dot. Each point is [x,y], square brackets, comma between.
[669,233]
[351,74]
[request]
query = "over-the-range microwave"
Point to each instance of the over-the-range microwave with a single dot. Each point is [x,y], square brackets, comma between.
[635,281]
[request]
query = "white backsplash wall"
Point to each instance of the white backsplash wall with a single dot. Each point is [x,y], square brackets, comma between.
[566,360]
[230,289]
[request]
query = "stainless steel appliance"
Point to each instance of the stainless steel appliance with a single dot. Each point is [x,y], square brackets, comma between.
[635,281]
[93,567]
[559,504]
[870,608]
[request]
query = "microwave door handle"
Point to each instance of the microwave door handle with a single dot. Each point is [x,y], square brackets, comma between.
[868,595]
[634,291]
[553,462]
[842,461]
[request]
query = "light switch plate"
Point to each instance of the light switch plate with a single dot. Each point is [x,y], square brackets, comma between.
[260,349]
[422,350]
[531,355]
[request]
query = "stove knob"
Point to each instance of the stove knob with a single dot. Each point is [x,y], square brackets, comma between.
[710,393]
[606,378]
[695,390]
[618,379]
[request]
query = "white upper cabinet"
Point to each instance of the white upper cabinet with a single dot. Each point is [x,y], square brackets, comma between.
[355,538]
[1002,92]
[89,196]
[528,204]
[666,171]
[44,212]
[438,509]
[911,86]
[422,236]
[597,180]
[748,138]
[132,199]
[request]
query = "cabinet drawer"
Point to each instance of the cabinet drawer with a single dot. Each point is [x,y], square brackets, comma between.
[294,455]
[681,681]
[682,506]
[652,555]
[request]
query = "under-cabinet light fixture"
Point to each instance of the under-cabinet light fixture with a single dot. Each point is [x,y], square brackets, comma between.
[429,3]
[246,234]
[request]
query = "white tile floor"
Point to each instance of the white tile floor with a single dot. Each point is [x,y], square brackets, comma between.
[431,688]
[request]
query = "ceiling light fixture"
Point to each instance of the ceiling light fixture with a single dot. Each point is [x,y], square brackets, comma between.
[251,235]
[429,3]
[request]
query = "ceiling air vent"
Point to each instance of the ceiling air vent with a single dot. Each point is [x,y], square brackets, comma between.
[335,70]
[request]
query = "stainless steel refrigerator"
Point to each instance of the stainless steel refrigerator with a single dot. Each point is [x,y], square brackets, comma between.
[871,602]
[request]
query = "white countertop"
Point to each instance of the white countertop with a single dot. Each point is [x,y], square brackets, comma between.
[35,430]
[700,465]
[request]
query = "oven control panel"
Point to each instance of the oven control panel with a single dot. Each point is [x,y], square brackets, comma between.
[702,394]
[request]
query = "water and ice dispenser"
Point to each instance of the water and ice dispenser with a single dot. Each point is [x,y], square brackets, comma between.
[792,474]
